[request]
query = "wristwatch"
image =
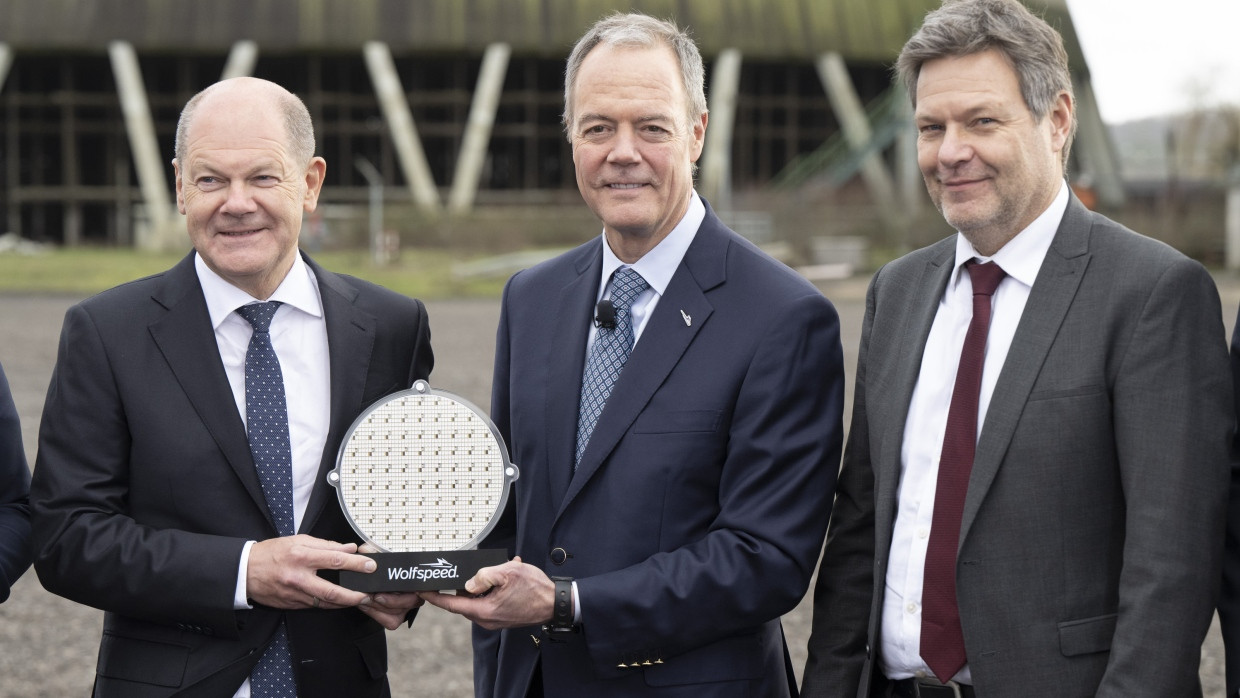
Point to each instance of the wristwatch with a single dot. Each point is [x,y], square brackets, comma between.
[562,608]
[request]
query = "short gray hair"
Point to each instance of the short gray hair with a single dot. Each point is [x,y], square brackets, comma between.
[298,126]
[1032,47]
[636,30]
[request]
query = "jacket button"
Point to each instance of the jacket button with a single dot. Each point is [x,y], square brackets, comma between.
[558,556]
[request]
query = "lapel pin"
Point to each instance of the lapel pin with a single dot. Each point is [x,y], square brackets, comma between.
[688,320]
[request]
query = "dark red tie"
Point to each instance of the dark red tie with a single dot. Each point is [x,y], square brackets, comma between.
[942,639]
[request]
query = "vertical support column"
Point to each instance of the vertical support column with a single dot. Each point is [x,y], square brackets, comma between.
[1093,144]
[400,122]
[159,233]
[242,58]
[6,61]
[12,167]
[13,223]
[70,171]
[716,178]
[374,183]
[125,235]
[1232,217]
[912,187]
[478,128]
[856,128]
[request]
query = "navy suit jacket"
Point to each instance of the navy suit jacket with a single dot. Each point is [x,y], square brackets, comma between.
[14,490]
[145,491]
[698,510]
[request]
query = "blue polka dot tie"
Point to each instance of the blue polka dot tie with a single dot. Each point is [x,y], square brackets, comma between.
[608,355]
[266,413]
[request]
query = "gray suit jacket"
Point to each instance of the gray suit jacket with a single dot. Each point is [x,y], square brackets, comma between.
[1092,533]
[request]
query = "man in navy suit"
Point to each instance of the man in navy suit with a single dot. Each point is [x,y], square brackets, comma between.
[657,551]
[147,500]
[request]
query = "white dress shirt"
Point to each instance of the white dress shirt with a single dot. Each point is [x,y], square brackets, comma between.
[926,424]
[299,336]
[656,266]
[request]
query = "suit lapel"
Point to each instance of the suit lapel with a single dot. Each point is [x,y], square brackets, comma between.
[181,335]
[566,364]
[350,343]
[663,342]
[1049,300]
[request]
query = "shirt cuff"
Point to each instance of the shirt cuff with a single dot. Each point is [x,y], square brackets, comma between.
[240,601]
[576,605]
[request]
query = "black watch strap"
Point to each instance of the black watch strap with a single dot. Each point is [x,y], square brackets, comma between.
[562,607]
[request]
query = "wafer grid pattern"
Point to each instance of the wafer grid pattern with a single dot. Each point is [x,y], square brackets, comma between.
[422,473]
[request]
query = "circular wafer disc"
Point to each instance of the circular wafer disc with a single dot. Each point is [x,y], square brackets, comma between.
[423,470]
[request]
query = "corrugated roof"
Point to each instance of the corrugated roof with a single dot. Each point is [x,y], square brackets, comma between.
[861,30]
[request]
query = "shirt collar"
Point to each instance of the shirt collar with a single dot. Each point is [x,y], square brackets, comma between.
[1022,256]
[298,289]
[659,264]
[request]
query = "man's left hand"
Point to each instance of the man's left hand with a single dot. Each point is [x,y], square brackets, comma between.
[510,595]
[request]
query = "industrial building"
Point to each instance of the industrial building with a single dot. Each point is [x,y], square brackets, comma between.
[450,105]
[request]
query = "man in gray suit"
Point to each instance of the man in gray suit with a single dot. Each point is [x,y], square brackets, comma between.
[1034,487]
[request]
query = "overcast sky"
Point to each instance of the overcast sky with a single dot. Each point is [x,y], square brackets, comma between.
[1151,57]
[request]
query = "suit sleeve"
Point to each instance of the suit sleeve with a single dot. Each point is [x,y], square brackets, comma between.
[776,481]
[843,593]
[1229,601]
[88,547]
[15,552]
[1173,421]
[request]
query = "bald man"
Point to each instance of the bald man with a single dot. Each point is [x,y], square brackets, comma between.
[191,420]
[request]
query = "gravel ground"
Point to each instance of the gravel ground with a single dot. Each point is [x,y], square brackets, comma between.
[48,645]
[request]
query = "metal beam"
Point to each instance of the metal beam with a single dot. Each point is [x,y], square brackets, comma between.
[241,60]
[716,179]
[478,128]
[856,128]
[400,122]
[159,234]
[374,182]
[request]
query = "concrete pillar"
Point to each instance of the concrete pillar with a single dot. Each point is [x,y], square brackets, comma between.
[241,60]
[6,61]
[478,128]
[716,172]
[400,122]
[161,233]
[856,129]
[911,186]
[1093,146]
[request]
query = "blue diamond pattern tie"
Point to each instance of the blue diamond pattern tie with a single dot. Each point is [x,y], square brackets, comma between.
[608,355]
[266,411]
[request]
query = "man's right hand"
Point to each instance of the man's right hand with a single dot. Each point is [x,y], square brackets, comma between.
[283,573]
